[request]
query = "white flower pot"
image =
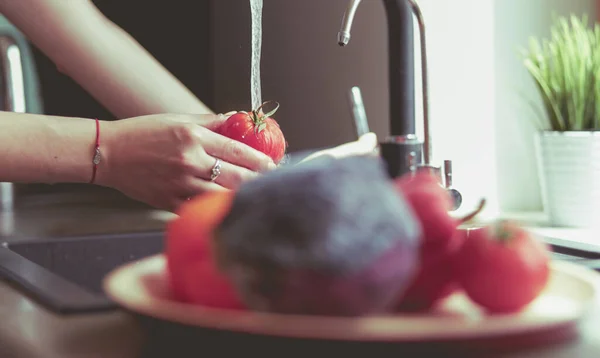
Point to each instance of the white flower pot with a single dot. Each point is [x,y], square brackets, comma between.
[569,167]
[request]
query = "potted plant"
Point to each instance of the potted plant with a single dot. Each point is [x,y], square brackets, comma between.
[565,69]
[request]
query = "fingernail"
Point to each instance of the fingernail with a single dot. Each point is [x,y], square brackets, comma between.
[230,113]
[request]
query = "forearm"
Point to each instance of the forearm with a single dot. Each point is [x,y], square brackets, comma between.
[45,149]
[101,57]
[124,77]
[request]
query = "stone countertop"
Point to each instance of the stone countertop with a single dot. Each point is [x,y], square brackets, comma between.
[96,211]
[28,330]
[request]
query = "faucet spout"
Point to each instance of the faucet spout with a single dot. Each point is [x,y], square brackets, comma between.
[347,20]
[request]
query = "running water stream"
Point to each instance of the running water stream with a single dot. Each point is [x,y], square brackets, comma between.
[256,8]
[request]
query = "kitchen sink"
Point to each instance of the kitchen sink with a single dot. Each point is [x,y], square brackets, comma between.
[57,248]
[36,197]
[62,222]
[81,213]
[65,275]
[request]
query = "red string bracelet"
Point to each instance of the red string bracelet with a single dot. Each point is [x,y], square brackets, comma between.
[97,155]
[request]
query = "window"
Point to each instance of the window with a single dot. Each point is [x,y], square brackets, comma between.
[480,94]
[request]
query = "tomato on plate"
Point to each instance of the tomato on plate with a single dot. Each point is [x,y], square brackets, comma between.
[502,267]
[191,269]
[435,279]
[257,130]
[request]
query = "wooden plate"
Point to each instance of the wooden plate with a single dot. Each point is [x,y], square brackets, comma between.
[141,287]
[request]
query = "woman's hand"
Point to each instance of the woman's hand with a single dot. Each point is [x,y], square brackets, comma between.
[164,159]
[365,145]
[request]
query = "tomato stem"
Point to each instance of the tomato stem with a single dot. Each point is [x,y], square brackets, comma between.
[258,117]
[502,231]
[272,112]
[474,213]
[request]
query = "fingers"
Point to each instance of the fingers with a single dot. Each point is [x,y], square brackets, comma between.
[195,185]
[369,144]
[210,121]
[214,124]
[233,176]
[230,176]
[191,188]
[366,144]
[368,141]
[234,152]
[200,165]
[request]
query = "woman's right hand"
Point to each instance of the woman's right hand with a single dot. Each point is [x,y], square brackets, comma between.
[164,159]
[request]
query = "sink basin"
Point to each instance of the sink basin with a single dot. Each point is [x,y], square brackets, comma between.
[80,221]
[65,275]
[82,213]
[28,198]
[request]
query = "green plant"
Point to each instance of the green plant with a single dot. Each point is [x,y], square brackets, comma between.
[565,69]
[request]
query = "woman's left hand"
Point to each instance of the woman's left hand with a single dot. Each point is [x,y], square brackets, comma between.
[367,144]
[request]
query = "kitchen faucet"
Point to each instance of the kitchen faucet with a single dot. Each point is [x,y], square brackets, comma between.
[401,61]
[402,151]
[13,98]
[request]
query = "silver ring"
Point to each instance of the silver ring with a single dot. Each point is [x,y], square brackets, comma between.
[216,170]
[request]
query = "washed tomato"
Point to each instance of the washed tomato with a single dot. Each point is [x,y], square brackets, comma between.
[431,202]
[257,130]
[435,279]
[501,267]
[191,269]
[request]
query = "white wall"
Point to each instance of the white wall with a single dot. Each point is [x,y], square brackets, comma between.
[516,20]
[462,86]
[479,115]
[481,93]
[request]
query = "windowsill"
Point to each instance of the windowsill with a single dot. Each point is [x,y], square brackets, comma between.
[537,222]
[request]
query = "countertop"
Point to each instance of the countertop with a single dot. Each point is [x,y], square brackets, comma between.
[28,330]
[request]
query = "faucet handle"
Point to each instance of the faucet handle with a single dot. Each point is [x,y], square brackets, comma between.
[434,170]
[448,174]
[444,176]
[455,194]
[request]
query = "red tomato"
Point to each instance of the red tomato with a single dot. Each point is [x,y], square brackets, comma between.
[501,267]
[431,203]
[193,275]
[257,130]
[435,279]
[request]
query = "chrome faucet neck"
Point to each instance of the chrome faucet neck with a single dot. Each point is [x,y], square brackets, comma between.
[344,36]
[347,20]
[14,99]
[402,151]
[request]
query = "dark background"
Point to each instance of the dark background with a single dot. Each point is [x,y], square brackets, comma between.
[176,32]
